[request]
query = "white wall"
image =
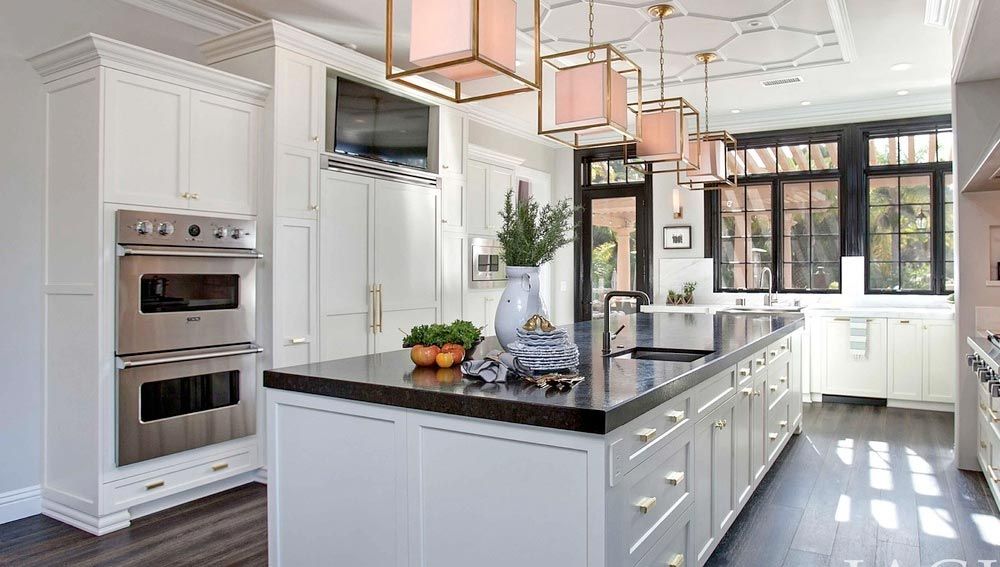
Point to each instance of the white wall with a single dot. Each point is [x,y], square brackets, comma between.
[536,155]
[562,265]
[26,28]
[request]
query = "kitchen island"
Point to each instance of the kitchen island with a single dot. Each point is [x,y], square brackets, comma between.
[372,462]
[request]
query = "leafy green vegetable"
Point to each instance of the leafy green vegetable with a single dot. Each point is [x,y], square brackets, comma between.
[459,332]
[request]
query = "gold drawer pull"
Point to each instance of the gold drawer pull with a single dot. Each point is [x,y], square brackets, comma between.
[756,393]
[744,371]
[783,379]
[677,561]
[646,434]
[297,340]
[747,391]
[904,322]
[721,424]
[772,436]
[782,424]
[774,388]
[760,362]
[646,504]
[219,466]
[784,347]
[155,484]
[774,353]
[675,478]
[982,444]
[675,416]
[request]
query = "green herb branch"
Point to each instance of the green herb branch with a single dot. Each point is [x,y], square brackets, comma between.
[532,233]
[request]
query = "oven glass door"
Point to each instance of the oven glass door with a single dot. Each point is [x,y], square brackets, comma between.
[183,401]
[179,302]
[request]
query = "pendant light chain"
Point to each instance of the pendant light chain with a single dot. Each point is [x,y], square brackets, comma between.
[662,75]
[706,94]
[590,19]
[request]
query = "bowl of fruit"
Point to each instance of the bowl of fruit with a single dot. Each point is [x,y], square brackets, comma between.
[442,345]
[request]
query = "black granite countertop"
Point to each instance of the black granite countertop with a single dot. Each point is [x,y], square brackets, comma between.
[616,390]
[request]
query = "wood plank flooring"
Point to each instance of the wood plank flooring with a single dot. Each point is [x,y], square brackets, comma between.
[869,484]
[862,483]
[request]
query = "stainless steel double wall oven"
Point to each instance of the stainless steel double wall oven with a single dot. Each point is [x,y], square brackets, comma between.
[185,332]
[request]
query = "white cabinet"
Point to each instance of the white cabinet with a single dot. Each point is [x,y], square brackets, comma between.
[758,428]
[481,308]
[346,296]
[453,261]
[486,189]
[453,127]
[453,203]
[296,307]
[147,141]
[939,380]
[379,262]
[171,146]
[300,84]
[296,182]
[906,365]
[849,376]
[716,497]
[225,149]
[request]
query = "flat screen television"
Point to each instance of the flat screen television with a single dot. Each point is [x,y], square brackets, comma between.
[373,124]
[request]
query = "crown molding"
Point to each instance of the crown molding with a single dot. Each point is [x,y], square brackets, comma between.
[885,108]
[492,156]
[207,15]
[94,50]
[346,61]
[842,29]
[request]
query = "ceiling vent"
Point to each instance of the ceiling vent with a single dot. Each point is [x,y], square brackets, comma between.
[781,81]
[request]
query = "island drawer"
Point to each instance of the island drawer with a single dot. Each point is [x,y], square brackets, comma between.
[131,492]
[712,392]
[745,369]
[777,349]
[654,495]
[674,548]
[778,426]
[639,439]
[778,375]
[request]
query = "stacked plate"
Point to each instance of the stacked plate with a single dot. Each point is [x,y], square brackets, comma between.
[545,352]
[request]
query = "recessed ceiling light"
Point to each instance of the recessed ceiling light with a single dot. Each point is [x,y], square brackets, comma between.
[754,23]
[903,92]
[735,111]
[901,67]
[805,103]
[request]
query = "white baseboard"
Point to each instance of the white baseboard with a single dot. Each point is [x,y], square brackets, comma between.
[97,525]
[261,475]
[930,406]
[20,503]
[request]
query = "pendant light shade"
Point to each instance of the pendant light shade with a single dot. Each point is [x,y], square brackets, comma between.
[583,102]
[464,50]
[712,171]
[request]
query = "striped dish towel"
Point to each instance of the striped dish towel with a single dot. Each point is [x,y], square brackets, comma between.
[859,338]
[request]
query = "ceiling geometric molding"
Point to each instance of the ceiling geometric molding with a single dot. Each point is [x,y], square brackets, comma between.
[752,37]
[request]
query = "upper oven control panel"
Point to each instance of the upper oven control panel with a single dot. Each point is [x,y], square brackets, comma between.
[169,229]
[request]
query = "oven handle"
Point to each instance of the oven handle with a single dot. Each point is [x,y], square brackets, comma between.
[123,363]
[253,254]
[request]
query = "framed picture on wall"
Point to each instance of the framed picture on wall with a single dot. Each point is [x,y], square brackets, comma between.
[676,237]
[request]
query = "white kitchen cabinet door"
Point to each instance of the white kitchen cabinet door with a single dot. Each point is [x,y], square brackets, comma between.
[795,386]
[452,135]
[476,196]
[299,101]
[481,308]
[500,182]
[906,364]
[296,306]
[758,428]
[453,261]
[743,431]
[715,497]
[405,257]
[452,203]
[297,177]
[346,295]
[848,376]
[939,361]
[225,145]
[147,142]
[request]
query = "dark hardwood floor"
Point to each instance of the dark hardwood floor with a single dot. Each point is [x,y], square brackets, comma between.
[229,528]
[863,483]
[870,484]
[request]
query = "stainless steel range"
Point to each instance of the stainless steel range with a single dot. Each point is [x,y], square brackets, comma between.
[185,332]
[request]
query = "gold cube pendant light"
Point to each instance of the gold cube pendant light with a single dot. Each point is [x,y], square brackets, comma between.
[464,50]
[583,102]
[712,148]
[666,145]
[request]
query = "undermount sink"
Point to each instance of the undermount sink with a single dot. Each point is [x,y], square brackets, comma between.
[664,354]
[762,309]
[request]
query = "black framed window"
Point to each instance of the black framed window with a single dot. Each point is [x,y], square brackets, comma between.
[810,224]
[746,242]
[909,244]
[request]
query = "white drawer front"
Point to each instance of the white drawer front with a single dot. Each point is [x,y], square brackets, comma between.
[131,492]
[636,441]
[674,548]
[712,392]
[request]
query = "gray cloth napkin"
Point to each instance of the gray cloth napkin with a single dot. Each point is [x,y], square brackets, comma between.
[494,367]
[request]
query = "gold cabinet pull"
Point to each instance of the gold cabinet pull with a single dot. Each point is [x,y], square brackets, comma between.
[314,207]
[155,484]
[756,393]
[782,424]
[904,322]
[219,466]
[774,353]
[645,435]
[675,477]
[774,388]
[747,391]
[677,561]
[185,195]
[760,362]
[982,444]
[744,371]
[772,436]
[646,504]
[315,138]
[784,347]
[380,300]
[374,324]
[194,196]
[675,416]
[721,424]
[783,379]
